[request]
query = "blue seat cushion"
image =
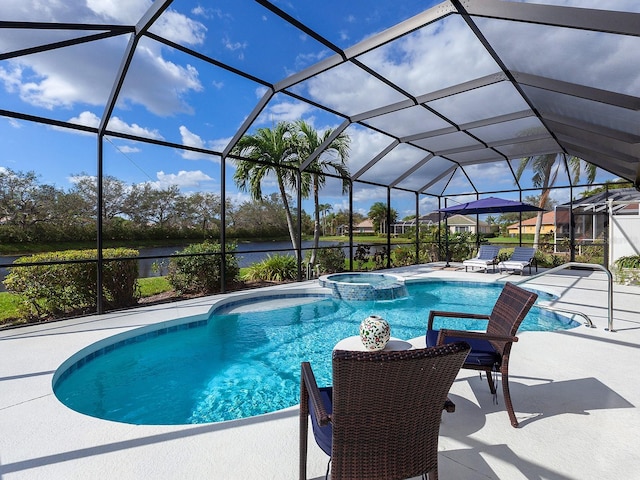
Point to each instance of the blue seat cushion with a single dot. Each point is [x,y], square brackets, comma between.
[323,435]
[482,352]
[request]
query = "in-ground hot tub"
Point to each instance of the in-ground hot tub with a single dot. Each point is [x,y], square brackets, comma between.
[365,286]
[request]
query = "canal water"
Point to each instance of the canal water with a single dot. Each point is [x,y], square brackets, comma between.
[246,253]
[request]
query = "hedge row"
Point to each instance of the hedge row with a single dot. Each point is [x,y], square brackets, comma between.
[51,290]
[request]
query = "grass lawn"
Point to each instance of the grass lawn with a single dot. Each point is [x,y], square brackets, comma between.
[9,307]
[509,240]
[10,303]
[367,239]
[153,286]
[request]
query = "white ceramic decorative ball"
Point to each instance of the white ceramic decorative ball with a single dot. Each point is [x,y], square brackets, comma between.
[374,332]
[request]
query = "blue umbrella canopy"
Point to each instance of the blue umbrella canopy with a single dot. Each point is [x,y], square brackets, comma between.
[489,205]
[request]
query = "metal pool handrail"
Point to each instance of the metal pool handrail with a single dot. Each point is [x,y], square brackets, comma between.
[594,266]
[588,322]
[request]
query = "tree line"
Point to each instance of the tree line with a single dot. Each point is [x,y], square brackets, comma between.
[31,211]
[34,212]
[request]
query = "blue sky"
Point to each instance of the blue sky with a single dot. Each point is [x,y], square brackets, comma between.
[180,99]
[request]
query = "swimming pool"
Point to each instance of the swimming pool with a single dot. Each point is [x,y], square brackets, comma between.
[241,363]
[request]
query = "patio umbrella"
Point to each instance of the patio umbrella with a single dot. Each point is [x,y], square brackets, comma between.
[485,205]
[489,205]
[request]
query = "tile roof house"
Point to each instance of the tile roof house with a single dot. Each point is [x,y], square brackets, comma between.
[463,223]
[456,223]
[529,225]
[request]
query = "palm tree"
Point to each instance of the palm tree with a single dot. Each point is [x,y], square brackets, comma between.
[270,151]
[333,157]
[545,172]
[324,209]
[378,216]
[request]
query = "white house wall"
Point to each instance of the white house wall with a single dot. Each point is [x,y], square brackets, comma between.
[624,237]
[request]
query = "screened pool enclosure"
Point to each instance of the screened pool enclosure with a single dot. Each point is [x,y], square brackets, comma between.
[440,103]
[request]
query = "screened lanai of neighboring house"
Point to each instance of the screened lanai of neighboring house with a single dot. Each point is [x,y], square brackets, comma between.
[440,100]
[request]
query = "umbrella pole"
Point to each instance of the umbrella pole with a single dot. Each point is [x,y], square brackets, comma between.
[446,239]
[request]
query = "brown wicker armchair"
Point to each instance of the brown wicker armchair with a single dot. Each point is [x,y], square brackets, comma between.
[490,350]
[381,418]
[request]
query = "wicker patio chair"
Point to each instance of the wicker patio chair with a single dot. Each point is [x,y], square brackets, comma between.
[490,350]
[381,418]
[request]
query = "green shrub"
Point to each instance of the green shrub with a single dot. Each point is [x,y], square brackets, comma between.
[51,290]
[540,259]
[591,253]
[274,268]
[630,261]
[331,259]
[403,255]
[461,246]
[627,270]
[505,254]
[201,271]
[429,252]
[380,258]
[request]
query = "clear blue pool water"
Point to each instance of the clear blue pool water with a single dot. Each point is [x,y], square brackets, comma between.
[238,365]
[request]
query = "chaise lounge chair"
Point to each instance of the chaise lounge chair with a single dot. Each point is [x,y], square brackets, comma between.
[487,256]
[490,350]
[521,257]
[381,419]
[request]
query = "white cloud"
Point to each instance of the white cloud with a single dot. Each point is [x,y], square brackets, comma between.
[365,145]
[427,204]
[128,149]
[182,179]
[490,176]
[303,60]
[116,10]
[190,139]
[260,91]
[369,195]
[595,59]
[238,198]
[78,75]
[207,12]
[193,140]
[78,178]
[170,80]
[11,77]
[119,125]
[199,11]
[179,28]
[238,47]
[283,111]
[421,62]
[90,119]
[334,88]
[14,123]
[219,144]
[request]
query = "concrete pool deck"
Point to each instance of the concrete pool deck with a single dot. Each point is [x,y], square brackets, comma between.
[575,393]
